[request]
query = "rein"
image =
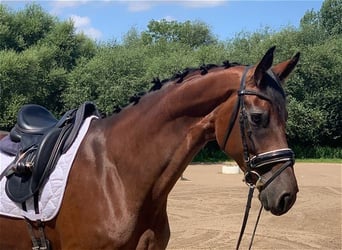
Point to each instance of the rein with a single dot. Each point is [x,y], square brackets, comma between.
[258,161]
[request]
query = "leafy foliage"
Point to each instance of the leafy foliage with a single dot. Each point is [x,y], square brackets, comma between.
[37,54]
[25,28]
[331,15]
[44,61]
[194,34]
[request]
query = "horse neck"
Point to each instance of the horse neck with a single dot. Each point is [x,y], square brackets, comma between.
[199,96]
[158,137]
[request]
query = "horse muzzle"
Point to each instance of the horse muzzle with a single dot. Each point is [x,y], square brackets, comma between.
[278,205]
[280,194]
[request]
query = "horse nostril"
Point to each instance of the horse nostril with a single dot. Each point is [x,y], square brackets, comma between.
[285,203]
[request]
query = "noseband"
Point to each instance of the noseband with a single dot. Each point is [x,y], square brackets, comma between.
[258,161]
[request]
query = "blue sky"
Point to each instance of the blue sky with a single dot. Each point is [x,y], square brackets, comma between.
[109,20]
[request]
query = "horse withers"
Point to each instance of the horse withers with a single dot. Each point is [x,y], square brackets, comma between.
[127,163]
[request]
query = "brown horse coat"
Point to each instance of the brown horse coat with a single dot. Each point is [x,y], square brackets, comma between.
[127,164]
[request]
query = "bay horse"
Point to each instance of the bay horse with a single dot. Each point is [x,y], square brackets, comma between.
[127,164]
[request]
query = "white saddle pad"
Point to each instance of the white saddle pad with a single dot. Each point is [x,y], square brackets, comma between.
[51,196]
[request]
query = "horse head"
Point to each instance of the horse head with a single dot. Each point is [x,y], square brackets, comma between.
[255,137]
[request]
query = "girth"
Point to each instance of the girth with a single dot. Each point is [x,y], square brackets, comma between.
[42,139]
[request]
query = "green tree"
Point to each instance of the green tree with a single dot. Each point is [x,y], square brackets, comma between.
[331,16]
[304,124]
[311,30]
[44,61]
[321,77]
[194,33]
[20,30]
[37,53]
[69,47]
[108,79]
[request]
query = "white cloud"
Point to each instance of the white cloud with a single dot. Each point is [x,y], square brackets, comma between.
[135,6]
[80,21]
[203,3]
[92,33]
[59,5]
[169,18]
[143,5]
[83,25]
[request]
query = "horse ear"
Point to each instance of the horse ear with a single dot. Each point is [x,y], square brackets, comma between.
[264,65]
[283,70]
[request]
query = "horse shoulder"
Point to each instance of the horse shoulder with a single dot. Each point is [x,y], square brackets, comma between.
[95,197]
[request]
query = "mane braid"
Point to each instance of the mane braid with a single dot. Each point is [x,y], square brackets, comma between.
[205,68]
[182,75]
[227,64]
[136,98]
[117,109]
[157,84]
[178,77]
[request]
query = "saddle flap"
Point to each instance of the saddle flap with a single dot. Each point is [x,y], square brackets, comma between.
[20,187]
[17,188]
[48,151]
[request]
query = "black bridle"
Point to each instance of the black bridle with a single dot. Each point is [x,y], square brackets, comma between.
[258,161]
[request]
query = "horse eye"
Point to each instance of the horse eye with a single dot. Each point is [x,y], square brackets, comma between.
[256,118]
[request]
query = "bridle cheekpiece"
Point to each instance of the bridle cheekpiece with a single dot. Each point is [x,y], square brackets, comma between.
[258,161]
[263,159]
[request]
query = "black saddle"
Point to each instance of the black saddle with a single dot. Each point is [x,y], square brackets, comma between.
[42,139]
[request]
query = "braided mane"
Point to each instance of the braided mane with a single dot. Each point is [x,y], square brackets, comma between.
[178,77]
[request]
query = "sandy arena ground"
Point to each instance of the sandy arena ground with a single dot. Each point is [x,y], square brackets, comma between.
[206,212]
